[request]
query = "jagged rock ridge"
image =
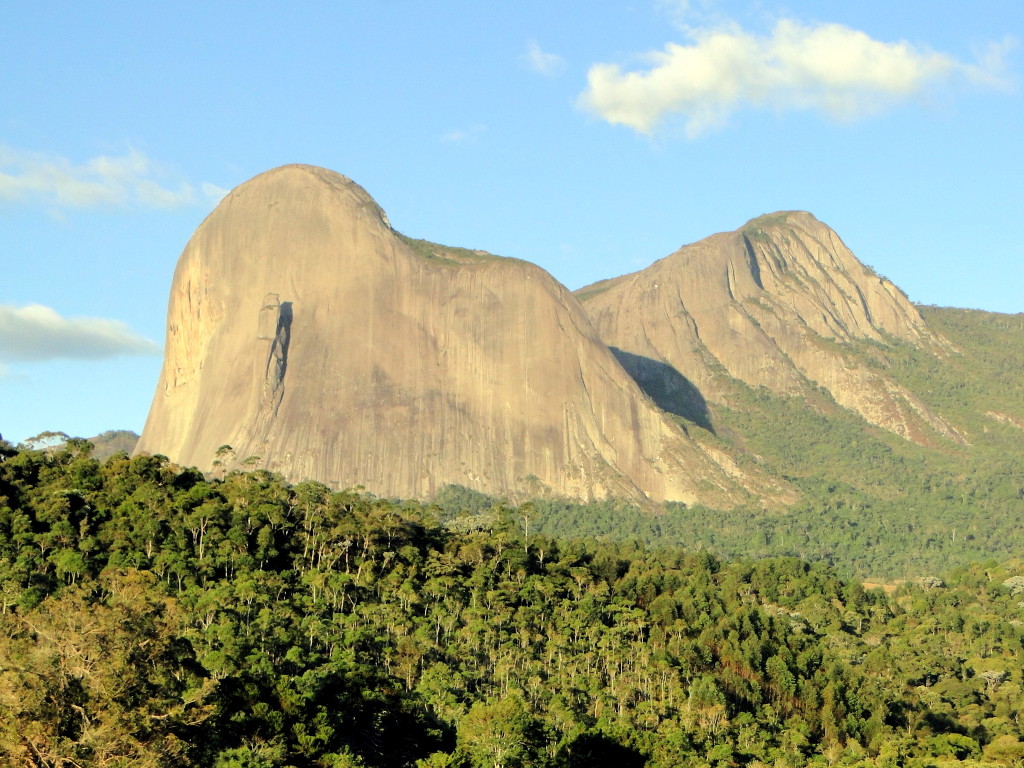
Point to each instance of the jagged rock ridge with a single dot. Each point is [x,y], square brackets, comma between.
[309,336]
[778,303]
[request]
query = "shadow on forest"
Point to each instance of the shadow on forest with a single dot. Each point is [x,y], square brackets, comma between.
[667,387]
[594,750]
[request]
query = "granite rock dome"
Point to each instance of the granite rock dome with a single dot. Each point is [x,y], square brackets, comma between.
[316,341]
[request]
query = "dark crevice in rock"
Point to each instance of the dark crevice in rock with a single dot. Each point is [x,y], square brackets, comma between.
[276,315]
[755,268]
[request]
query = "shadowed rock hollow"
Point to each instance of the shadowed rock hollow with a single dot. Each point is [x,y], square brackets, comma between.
[779,303]
[304,331]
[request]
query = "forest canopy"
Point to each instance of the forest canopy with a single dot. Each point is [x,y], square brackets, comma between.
[150,616]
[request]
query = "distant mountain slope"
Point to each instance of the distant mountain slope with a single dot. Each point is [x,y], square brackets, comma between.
[314,340]
[104,445]
[779,303]
[113,441]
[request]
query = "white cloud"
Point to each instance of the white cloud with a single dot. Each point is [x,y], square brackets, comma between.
[35,333]
[828,68]
[547,64]
[131,179]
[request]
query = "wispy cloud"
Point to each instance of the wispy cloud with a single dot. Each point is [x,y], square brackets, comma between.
[212,192]
[473,133]
[130,179]
[685,13]
[829,68]
[541,62]
[35,333]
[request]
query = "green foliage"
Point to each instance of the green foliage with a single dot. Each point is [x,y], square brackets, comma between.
[151,617]
[446,254]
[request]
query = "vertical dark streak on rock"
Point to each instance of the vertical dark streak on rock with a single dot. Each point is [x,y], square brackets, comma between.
[864,304]
[277,360]
[755,268]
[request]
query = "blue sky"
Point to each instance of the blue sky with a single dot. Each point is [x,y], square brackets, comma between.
[589,137]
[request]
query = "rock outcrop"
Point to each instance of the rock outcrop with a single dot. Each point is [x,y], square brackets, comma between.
[780,303]
[313,339]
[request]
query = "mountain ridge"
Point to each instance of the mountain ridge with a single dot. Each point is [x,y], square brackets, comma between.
[406,366]
[775,303]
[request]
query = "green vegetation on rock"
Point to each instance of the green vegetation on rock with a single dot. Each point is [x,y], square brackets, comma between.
[446,254]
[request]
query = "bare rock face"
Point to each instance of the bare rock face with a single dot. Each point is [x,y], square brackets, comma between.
[315,341]
[779,303]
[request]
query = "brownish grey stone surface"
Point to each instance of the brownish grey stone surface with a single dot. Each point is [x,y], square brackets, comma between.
[310,337]
[779,303]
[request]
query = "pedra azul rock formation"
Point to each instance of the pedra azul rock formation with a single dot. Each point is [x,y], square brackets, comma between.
[780,303]
[313,339]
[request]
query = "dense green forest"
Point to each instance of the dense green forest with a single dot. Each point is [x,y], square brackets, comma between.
[153,617]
